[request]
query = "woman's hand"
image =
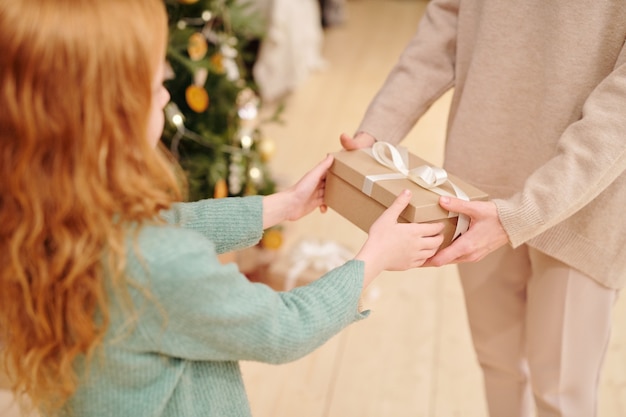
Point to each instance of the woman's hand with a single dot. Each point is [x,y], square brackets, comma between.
[300,199]
[360,140]
[485,233]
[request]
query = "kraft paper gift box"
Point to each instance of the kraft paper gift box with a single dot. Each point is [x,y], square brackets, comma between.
[360,187]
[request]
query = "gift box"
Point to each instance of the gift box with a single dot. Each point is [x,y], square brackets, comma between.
[361,184]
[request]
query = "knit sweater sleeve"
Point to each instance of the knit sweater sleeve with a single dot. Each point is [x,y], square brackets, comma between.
[590,155]
[220,220]
[424,71]
[200,309]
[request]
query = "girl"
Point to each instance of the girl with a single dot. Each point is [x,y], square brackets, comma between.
[112,298]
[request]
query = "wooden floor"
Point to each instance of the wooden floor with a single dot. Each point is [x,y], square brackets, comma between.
[412,356]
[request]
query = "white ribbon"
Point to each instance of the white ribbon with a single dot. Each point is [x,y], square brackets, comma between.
[430,178]
[320,256]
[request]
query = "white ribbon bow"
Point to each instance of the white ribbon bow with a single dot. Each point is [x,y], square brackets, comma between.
[320,256]
[430,178]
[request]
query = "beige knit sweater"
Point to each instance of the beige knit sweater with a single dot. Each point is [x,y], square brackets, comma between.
[538,117]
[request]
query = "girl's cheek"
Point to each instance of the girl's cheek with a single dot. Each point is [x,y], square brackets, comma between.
[165,97]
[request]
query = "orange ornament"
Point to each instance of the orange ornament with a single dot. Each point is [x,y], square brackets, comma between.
[272,239]
[187,1]
[197,98]
[221,189]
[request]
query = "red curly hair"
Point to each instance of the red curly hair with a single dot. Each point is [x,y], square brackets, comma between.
[76,169]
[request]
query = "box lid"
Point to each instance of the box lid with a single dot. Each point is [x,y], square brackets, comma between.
[354,166]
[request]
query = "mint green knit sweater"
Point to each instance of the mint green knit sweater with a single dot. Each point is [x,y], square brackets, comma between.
[201,317]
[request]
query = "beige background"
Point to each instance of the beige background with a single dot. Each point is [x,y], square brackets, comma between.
[413,356]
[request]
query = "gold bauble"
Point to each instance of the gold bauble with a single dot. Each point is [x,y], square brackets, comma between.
[217,60]
[267,149]
[250,189]
[197,46]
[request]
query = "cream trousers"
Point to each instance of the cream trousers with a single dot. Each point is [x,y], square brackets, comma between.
[540,330]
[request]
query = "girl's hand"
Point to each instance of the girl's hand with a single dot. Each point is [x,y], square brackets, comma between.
[299,200]
[308,193]
[394,246]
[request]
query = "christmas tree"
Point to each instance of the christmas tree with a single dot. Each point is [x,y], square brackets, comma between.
[212,121]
